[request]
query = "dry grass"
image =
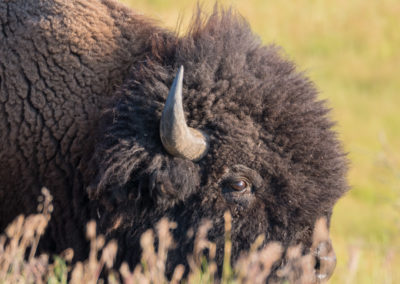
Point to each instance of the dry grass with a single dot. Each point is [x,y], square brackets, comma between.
[20,263]
[18,260]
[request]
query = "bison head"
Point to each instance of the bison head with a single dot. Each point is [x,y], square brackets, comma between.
[241,131]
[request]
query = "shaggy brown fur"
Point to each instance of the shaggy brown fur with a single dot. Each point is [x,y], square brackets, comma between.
[263,119]
[58,61]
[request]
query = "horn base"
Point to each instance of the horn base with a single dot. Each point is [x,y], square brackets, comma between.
[195,150]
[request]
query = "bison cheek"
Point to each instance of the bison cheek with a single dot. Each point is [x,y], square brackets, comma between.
[242,200]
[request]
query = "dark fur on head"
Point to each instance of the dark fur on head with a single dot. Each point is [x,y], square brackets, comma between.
[265,126]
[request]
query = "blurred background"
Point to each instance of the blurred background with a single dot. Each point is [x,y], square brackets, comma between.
[351,49]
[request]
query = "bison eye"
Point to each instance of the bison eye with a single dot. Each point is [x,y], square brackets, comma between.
[239,185]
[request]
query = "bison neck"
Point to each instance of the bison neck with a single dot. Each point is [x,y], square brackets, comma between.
[59,63]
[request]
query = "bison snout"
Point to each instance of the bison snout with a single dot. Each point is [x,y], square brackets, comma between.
[325,260]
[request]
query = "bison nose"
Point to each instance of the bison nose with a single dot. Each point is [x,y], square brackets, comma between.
[323,252]
[325,260]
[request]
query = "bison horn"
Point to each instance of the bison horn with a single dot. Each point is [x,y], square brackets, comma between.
[177,138]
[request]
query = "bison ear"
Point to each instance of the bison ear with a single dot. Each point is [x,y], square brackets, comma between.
[177,138]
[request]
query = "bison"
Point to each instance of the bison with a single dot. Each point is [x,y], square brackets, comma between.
[127,123]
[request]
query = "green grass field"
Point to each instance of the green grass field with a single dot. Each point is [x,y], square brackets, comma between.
[351,50]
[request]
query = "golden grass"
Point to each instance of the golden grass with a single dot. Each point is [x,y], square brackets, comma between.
[19,262]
